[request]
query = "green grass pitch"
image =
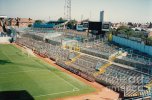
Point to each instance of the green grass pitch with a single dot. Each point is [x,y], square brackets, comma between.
[19,72]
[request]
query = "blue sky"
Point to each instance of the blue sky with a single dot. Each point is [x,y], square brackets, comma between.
[115,10]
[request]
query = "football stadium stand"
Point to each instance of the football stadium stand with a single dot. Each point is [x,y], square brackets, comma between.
[109,64]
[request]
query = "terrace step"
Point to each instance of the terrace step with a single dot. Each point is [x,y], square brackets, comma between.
[102,69]
[149,85]
[73,60]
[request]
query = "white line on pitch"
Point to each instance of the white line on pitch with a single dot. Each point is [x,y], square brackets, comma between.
[57,93]
[65,81]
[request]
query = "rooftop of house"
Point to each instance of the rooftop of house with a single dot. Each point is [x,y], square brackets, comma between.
[23,20]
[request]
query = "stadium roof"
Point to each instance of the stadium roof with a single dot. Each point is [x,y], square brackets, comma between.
[56,21]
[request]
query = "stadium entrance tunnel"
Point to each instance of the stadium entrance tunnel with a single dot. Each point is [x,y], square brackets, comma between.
[15,95]
[2,62]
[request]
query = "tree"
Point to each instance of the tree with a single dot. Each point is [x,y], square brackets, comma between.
[71,24]
[38,22]
[149,40]
[126,30]
[130,24]
[122,27]
[30,25]
[61,19]
[121,31]
[137,29]
[130,33]
[112,31]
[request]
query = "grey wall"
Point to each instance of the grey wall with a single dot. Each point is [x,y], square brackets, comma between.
[133,44]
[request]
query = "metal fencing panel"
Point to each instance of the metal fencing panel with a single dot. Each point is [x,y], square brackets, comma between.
[133,44]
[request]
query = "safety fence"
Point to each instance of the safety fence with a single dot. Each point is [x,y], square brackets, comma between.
[133,44]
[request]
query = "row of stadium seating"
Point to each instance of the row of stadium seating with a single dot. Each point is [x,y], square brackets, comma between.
[110,48]
[40,30]
[87,63]
[76,71]
[100,47]
[114,75]
[85,66]
[53,52]
[44,49]
[140,61]
[125,79]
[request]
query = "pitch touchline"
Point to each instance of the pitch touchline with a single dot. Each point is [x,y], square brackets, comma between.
[23,71]
[57,93]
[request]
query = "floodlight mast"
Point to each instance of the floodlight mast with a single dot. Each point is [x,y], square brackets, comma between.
[67,10]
